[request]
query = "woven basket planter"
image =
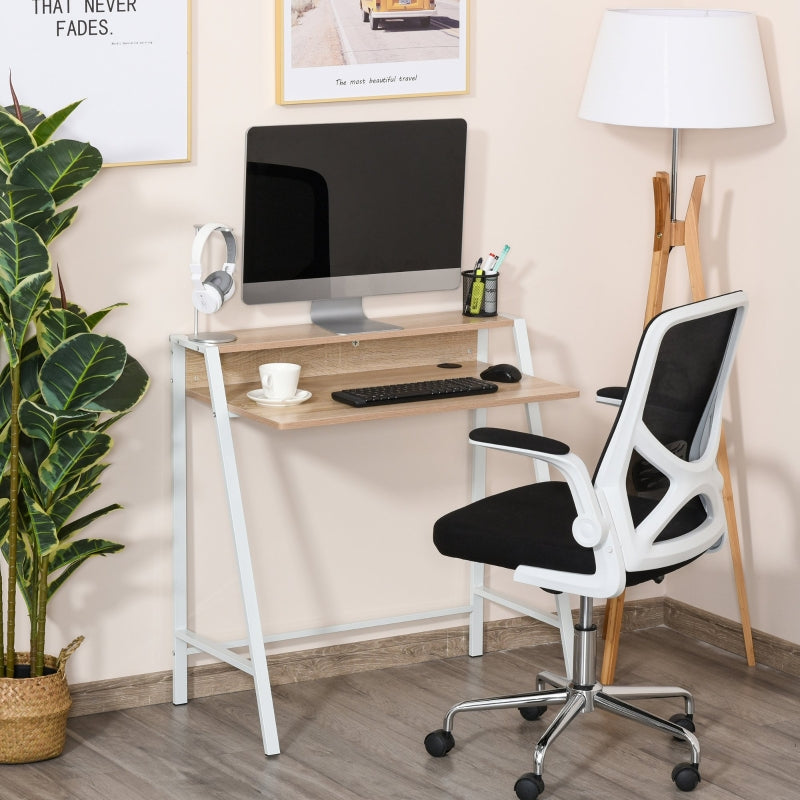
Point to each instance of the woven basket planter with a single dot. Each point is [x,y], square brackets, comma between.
[33,711]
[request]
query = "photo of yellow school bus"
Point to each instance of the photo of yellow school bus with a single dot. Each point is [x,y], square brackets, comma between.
[375,11]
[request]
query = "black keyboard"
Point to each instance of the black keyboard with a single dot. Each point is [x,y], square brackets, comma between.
[410,392]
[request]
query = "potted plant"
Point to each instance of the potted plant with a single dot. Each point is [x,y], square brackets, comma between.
[62,386]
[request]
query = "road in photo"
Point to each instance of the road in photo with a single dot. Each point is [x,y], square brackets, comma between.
[333,33]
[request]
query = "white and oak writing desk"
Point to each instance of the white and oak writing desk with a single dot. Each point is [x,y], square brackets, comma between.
[220,375]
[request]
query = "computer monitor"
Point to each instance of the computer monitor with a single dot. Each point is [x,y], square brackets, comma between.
[335,212]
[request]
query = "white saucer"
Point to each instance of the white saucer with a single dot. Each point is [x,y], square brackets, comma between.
[257,395]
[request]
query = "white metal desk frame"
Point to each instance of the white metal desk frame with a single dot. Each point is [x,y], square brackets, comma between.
[188,642]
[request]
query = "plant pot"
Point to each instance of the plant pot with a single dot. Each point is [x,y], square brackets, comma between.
[33,711]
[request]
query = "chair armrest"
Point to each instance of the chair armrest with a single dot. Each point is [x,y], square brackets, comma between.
[590,527]
[517,440]
[610,395]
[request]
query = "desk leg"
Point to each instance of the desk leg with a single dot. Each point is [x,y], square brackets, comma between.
[180,663]
[219,406]
[477,571]
[477,576]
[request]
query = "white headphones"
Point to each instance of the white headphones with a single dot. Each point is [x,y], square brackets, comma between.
[209,295]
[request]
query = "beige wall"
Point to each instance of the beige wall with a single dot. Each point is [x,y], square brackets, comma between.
[340,518]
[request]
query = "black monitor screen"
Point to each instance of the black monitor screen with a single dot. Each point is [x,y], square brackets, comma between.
[350,209]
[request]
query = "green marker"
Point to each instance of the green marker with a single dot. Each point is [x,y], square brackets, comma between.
[476,298]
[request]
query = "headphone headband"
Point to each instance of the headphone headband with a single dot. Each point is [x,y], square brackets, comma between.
[201,237]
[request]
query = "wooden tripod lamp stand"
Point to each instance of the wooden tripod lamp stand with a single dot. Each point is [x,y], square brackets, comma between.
[670,233]
[677,69]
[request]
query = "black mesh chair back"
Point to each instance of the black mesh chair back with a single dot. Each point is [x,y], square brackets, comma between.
[659,464]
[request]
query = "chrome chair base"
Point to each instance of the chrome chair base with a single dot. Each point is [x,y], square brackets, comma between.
[581,695]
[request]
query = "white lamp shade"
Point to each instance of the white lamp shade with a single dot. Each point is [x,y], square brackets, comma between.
[677,68]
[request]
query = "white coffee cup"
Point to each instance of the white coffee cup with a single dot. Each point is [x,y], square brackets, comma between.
[279,380]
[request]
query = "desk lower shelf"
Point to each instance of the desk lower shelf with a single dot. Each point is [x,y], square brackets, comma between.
[321,409]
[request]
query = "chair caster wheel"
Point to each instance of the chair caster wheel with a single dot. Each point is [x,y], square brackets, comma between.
[532,713]
[686,776]
[529,786]
[439,743]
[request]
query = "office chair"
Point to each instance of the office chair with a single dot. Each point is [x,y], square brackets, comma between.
[654,505]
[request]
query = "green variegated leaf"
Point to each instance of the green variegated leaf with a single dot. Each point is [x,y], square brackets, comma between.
[70,558]
[32,454]
[8,334]
[63,506]
[30,364]
[93,319]
[27,204]
[24,569]
[54,325]
[30,116]
[89,477]
[41,422]
[76,488]
[24,280]
[80,369]
[128,390]
[63,167]
[70,529]
[55,224]
[74,453]
[24,546]
[28,298]
[5,453]
[15,140]
[5,505]
[55,302]
[22,253]
[41,527]
[48,126]
[5,395]
[76,484]
[63,509]
[81,550]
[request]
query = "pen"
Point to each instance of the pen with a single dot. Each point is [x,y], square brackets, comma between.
[503,254]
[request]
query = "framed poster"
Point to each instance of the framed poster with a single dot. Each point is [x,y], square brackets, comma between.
[331,50]
[127,59]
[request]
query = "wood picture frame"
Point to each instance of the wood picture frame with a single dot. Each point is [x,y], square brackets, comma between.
[333,50]
[129,61]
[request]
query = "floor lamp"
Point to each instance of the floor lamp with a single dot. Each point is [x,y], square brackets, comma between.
[678,69]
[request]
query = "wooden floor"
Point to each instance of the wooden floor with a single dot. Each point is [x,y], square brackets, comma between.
[360,736]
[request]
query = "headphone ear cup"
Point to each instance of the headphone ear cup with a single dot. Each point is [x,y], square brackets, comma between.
[221,281]
[207,299]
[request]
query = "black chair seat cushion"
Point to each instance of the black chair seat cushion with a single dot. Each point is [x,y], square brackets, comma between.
[533,525]
[528,525]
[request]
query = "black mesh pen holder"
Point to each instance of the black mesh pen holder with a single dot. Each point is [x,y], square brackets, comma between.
[479,293]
